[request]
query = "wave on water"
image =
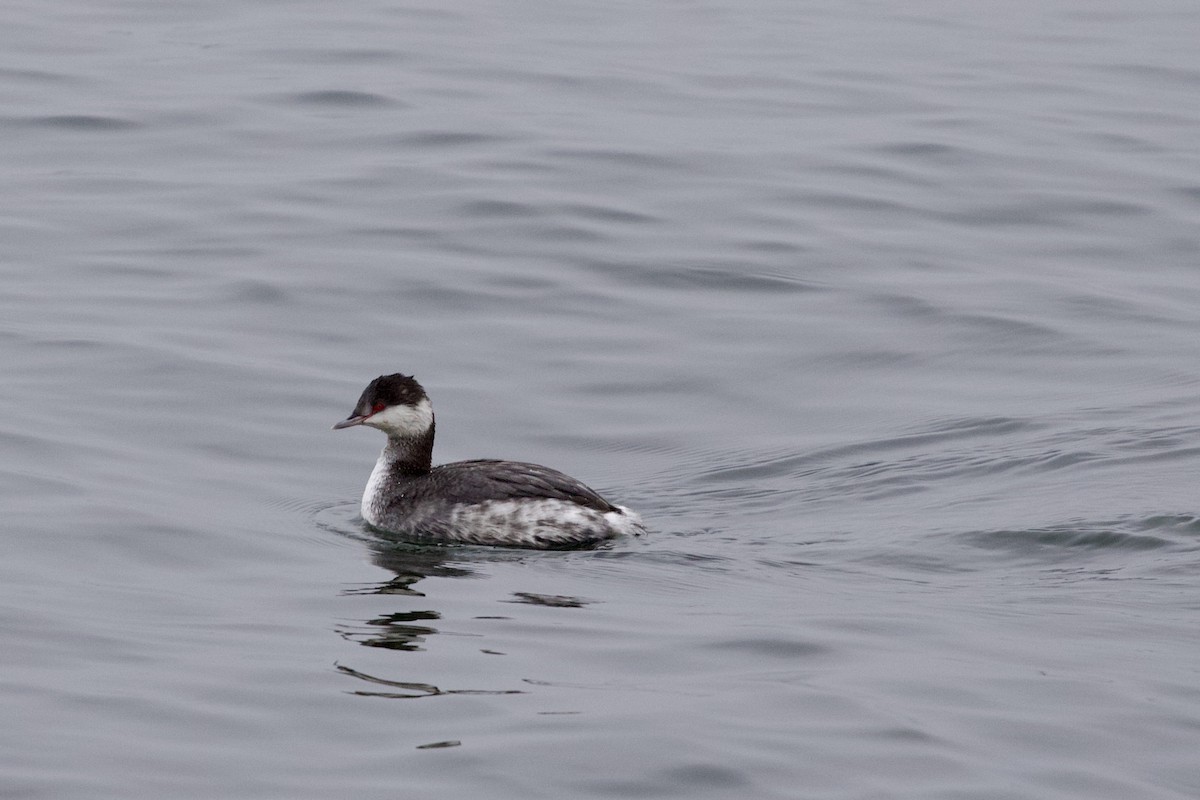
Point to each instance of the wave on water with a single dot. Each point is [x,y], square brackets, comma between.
[958,459]
[1076,537]
[82,123]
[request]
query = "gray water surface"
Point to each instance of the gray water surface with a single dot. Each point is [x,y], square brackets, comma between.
[884,316]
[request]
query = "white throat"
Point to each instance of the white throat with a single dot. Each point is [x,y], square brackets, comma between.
[374,498]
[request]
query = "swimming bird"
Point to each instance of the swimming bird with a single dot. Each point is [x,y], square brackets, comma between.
[486,501]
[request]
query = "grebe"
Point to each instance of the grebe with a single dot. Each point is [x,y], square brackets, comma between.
[505,503]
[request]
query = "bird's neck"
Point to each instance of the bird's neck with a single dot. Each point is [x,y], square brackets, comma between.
[408,456]
[403,458]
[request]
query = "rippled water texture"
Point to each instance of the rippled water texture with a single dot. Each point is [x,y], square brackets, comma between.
[884,316]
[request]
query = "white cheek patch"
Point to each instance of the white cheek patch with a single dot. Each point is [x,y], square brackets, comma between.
[403,420]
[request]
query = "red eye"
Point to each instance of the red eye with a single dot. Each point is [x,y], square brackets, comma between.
[375,409]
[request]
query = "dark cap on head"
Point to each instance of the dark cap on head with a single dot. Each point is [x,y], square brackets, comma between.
[392,390]
[384,392]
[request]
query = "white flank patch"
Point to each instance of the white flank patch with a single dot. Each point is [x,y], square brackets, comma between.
[403,420]
[626,521]
[539,523]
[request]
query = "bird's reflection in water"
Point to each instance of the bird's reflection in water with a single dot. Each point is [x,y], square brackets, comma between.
[409,630]
[392,631]
[410,564]
[550,600]
[410,690]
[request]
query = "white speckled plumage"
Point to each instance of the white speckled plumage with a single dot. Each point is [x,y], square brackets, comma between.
[541,523]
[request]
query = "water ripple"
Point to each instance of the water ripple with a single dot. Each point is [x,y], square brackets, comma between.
[445,139]
[704,274]
[1150,533]
[960,459]
[343,98]
[83,123]
[612,157]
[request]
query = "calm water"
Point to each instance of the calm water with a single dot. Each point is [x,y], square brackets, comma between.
[885,316]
